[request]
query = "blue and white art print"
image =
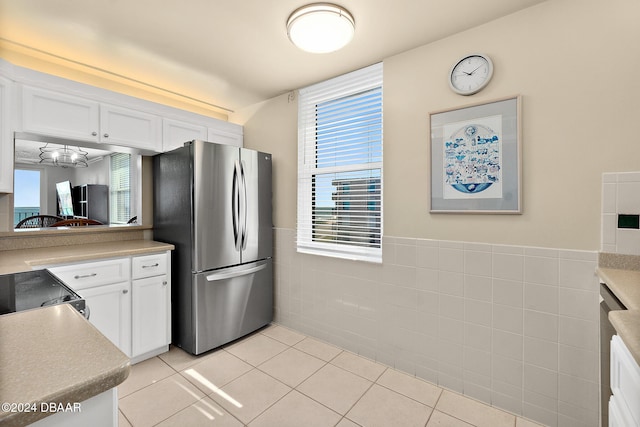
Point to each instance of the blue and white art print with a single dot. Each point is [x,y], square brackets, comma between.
[475,158]
[472,159]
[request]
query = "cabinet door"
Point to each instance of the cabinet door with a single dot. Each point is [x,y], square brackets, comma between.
[57,114]
[175,133]
[625,379]
[131,128]
[110,312]
[151,314]
[6,140]
[224,137]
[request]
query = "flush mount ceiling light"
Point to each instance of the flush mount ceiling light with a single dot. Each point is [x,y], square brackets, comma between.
[320,27]
[64,157]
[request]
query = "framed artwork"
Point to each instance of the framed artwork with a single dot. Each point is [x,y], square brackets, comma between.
[476,158]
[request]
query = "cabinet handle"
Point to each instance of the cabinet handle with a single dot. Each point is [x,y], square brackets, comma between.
[85,276]
[151,266]
[164,283]
[106,135]
[94,133]
[125,291]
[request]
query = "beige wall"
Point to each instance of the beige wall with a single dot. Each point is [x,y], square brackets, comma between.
[573,62]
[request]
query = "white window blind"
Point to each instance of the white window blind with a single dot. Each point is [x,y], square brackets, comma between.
[340,166]
[120,189]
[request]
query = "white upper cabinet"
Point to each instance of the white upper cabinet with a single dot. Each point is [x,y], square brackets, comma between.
[225,137]
[6,141]
[175,133]
[57,114]
[61,115]
[130,128]
[48,105]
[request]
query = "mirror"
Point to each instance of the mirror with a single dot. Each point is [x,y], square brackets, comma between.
[56,180]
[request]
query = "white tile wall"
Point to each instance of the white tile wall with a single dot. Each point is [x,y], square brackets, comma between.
[620,195]
[512,326]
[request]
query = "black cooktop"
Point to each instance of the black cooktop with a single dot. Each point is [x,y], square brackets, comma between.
[34,289]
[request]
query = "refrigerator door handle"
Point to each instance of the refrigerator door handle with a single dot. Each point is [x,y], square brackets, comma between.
[236,273]
[243,209]
[235,205]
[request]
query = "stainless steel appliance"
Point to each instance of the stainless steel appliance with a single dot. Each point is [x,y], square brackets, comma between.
[33,289]
[608,302]
[213,202]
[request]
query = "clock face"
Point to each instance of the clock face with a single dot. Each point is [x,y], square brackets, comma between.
[471,74]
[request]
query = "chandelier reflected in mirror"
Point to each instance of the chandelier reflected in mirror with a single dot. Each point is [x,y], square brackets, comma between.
[64,157]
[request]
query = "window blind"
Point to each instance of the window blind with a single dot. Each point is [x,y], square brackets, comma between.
[340,166]
[119,211]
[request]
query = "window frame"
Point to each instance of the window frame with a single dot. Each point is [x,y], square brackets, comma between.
[355,83]
[113,214]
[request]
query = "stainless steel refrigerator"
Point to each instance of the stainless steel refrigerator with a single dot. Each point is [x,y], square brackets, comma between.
[213,202]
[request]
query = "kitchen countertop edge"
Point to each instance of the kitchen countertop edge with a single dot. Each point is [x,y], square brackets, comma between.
[103,373]
[27,259]
[625,285]
[627,325]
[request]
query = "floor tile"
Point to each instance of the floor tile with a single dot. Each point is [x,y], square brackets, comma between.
[204,412]
[295,410]
[359,365]
[143,374]
[248,396]
[318,349]
[122,420]
[345,422]
[383,407]
[473,412]
[521,422]
[256,349]
[292,366]
[179,359]
[282,334]
[216,371]
[250,383]
[409,386]
[334,387]
[159,401]
[439,419]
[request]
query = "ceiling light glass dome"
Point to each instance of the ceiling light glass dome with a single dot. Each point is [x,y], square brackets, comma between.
[320,27]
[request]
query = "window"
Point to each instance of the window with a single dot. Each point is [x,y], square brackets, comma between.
[340,166]
[120,189]
[26,201]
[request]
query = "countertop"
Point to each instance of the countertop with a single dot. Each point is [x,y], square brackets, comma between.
[76,363]
[26,259]
[625,285]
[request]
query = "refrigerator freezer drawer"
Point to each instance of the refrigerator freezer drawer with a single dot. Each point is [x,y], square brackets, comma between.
[230,303]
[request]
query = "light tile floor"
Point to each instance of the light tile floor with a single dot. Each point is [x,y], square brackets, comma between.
[277,377]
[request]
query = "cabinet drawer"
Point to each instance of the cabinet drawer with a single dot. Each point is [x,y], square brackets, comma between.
[88,275]
[625,379]
[149,265]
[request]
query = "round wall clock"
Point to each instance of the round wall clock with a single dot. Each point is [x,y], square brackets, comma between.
[470,74]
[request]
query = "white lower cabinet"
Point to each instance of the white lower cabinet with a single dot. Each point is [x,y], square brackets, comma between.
[129,300]
[624,405]
[110,312]
[150,321]
[98,411]
[151,297]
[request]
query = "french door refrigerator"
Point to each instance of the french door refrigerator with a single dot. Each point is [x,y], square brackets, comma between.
[213,203]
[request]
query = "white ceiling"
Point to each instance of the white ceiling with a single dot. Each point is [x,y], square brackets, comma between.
[230,53]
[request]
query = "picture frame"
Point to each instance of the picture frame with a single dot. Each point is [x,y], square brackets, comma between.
[476,158]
